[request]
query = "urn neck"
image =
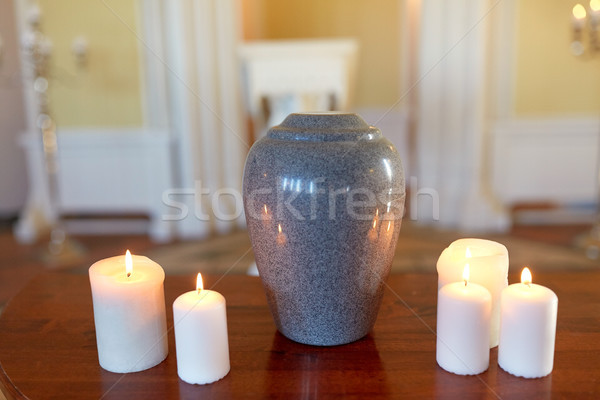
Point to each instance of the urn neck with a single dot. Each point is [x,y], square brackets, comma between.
[324,127]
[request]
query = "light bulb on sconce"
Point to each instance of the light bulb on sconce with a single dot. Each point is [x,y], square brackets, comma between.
[594,20]
[579,18]
[34,16]
[579,14]
[79,48]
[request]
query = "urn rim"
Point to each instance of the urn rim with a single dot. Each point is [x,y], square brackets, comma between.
[328,126]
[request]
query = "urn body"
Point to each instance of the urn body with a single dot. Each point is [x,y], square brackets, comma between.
[324,199]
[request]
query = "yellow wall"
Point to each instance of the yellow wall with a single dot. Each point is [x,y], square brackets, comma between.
[374,24]
[549,79]
[107,91]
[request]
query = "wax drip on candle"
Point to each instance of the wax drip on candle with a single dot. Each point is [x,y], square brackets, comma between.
[199,284]
[466,274]
[128,263]
[526,277]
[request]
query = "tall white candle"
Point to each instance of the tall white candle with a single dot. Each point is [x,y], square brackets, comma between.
[527,328]
[488,261]
[201,336]
[129,313]
[463,327]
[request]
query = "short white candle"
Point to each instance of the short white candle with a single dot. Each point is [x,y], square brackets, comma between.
[201,336]
[463,327]
[488,261]
[129,313]
[527,328]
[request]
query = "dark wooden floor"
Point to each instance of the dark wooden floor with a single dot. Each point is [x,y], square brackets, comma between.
[20,263]
[563,235]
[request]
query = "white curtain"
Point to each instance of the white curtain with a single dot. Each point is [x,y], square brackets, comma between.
[453,114]
[192,63]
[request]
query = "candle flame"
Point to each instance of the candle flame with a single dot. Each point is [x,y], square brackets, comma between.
[128,263]
[374,223]
[199,284]
[526,276]
[279,227]
[468,253]
[266,212]
[466,274]
[377,212]
[579,11]
[595,5]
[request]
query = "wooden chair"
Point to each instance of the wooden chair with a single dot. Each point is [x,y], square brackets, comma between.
[284,76]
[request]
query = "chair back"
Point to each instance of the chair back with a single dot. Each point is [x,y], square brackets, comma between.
[285,76]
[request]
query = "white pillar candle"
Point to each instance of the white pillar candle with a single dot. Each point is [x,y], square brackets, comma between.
[527,328]
[201,336]
[488,261]
[129,313]
[463,327]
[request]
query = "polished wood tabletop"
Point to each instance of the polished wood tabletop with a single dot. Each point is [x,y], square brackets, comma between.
[48,348]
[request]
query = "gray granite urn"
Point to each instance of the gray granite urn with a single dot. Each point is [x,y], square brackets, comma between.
[324,198]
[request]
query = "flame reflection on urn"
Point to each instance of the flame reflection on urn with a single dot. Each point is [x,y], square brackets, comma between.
[281,236]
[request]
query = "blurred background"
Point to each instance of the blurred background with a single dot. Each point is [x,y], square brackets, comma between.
[116,117]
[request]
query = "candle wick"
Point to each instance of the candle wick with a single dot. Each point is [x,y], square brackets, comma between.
[465,282]
[128,274]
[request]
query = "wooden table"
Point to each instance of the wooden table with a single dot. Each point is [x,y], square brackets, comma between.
[48,348]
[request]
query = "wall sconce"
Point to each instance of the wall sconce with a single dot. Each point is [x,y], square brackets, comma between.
[585,24]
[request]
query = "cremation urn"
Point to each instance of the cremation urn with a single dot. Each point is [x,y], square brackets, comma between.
[324,199]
